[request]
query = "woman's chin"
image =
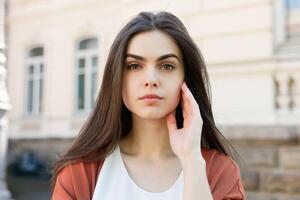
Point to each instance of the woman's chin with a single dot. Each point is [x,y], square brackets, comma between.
[154,115]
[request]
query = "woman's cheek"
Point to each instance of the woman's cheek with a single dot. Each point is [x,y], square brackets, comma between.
[175,98]
[126,95]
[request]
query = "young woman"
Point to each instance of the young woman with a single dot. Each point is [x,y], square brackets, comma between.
[151,135]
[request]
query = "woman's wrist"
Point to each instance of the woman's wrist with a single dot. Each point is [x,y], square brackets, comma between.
[192,160]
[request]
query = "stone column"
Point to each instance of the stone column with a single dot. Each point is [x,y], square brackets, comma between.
[296,93]
[4,107]
[283,98]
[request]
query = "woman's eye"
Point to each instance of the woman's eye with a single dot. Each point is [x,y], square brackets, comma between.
[136,66]
[168,67]
[132,66]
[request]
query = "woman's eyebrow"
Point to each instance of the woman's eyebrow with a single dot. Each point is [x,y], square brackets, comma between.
[158,59]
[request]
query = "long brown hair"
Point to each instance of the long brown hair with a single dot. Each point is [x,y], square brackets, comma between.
[110,120]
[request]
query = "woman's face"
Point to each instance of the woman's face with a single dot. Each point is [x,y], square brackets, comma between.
[153,65]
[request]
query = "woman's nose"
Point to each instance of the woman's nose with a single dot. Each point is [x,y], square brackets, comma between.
[151,78]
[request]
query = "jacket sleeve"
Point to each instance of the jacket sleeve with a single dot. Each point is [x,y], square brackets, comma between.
[76,181]
[63,188]
[237,192]
[226,181]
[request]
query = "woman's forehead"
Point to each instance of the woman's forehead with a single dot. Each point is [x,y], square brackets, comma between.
[152,44]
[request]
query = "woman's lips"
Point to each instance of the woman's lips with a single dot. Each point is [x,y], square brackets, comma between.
[151,99]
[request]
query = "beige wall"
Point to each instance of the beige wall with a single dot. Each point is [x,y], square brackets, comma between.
[242,43]
[235,37]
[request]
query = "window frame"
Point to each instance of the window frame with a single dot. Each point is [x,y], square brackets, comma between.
[35,77]
[86,54]
[283,47]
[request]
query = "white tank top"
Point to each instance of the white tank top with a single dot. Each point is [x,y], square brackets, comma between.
[115,183]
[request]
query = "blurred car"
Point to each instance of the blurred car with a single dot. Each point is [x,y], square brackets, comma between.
[28,163]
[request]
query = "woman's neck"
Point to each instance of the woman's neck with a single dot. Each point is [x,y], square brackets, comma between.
[147,139]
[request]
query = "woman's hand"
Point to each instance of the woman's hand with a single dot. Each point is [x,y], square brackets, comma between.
[186,142]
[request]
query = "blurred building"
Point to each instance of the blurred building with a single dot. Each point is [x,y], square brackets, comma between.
[4,105]
[57,51]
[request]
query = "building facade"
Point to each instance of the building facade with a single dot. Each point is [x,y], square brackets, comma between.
[58,48]
[4,105]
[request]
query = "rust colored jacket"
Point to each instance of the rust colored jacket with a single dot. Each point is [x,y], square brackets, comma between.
[77,181]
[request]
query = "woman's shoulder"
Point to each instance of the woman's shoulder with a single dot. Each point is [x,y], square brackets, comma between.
[81,170]
[223,175]
[220,167]
[73,179]
[216,159]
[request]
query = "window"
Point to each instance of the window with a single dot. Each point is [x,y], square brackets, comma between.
[292,19]
[86,73]
[287,28]
[34,82]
